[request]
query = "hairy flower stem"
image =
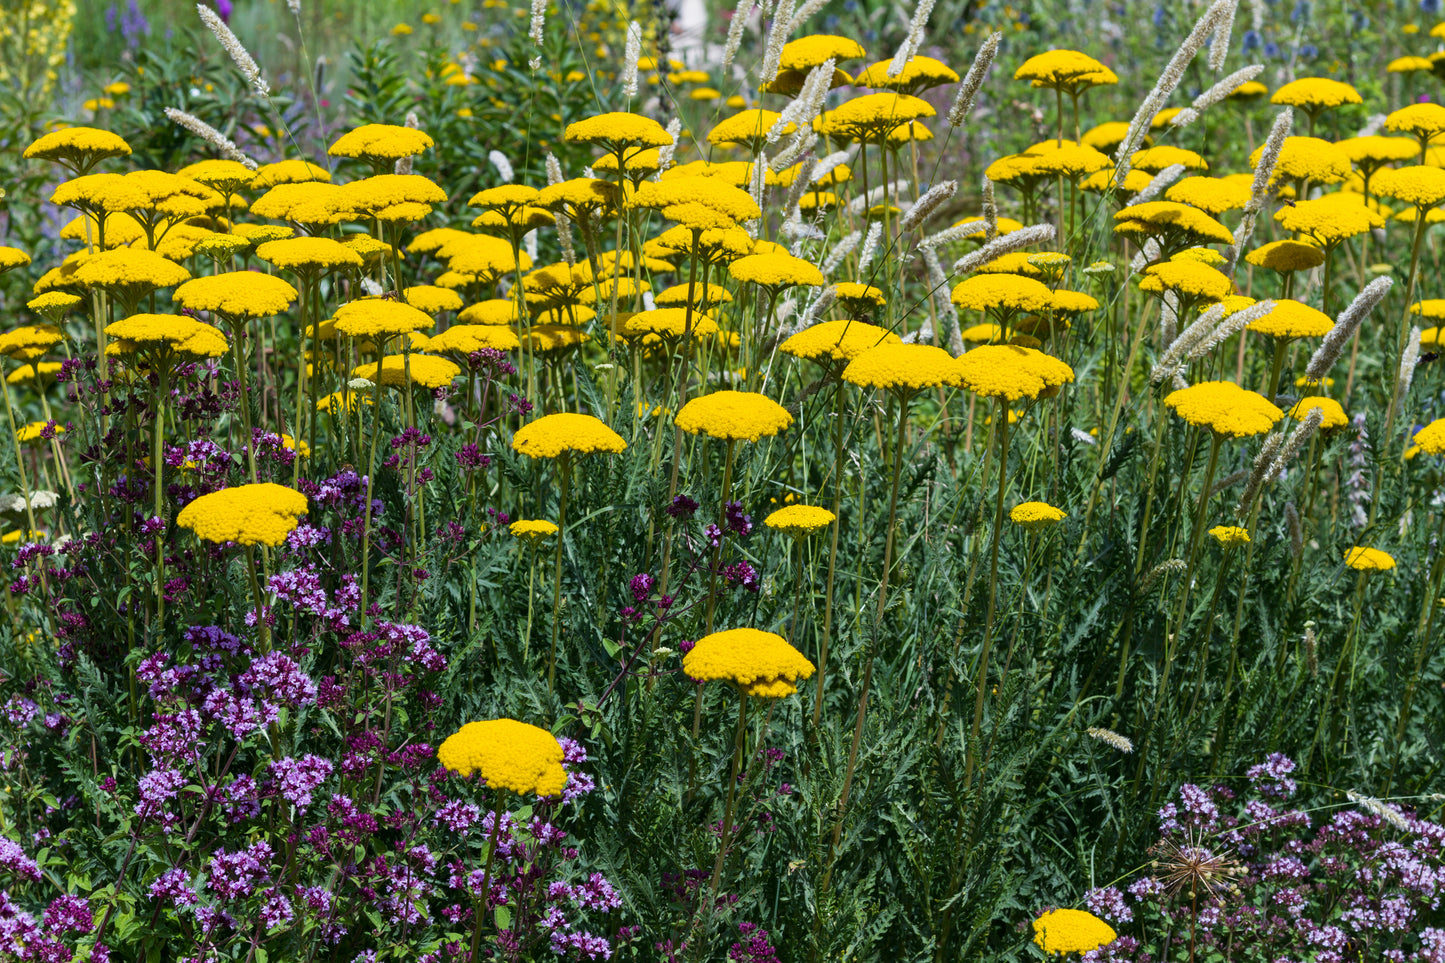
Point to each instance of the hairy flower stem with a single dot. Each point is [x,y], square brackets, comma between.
[263,628]
[1401,344]
[1159,432]
[245,400]
[301,378]
[531,595]
[564,473]
[158,468]
[981,674]
[1275,366]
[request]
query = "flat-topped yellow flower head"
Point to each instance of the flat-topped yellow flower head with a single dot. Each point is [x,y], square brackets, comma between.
[79,148]
[427,371]
[237,294]
[1291,319]
[734,416]
[1066,70]
[747,127]
[1332,413]
[669,323]
[776,271]
[1063,931]
[1286,256]
[380,142]
[919,74]
[1012,372]
[133,269]
[872,117]
[566,433]
[1230,535]
[836,341]
[1419,185]
[1212,195]
[759,663]
[1036,515]
[1188,277]
[1315,94]
[261,514]
[799,520]
[1002,293]
[1224,408]
[1369,559]
[508,754]
[1419,120]
[169,331]
[1155,159]
[1174,225]
[532,531]
[1307,158]
[617,130]
[1431,438]
[464,339]
[812,51]
[902,368]
[288,172]
[309,254]
[380,317]
[1330,219]
[29,339]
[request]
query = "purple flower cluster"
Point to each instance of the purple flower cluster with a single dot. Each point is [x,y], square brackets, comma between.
[1230,872]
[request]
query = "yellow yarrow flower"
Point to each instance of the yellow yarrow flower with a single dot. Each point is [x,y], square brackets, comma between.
[1422,120]
[1307,158]
[373,317]
[532,531]
[903,368]
[238,294]
[1431,438]
[1315,94]
[1224,408]
[508,754]
[1329,219]
[1212,195]
[919,74]
[180,334]
[35,431]
[1071,931]
[466,338]
[1036,515]
[759,663]
[565,433]
[1002,292]
[78,148]
[799,520]
[805,53]
[1155,159]
[380,142]
[1332,413]
[1290,319]
[1012,372]
[734,416]
[308,254]
[1230,535]
[776,271]
[1369,559]
[247,514]
[1286,256]
[1066,70]
[837,340]
[428,371]
[617,130]
[1419,185]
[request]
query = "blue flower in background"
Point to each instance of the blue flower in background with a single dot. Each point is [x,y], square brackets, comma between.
[1300,12]
[1158,17]
[1271,50]
[1308,51]
[1252,40]
[1430,6]
[1359,22]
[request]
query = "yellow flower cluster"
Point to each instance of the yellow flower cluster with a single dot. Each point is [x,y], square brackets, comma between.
[776,270]
[428,371]
[1229,535]
[902,367]
[734,416]
[1312,94]
[1431,438]
[1071,931]
[380,142]
[380,317]
[759,663]
[837,340]
[1036,515]
[1291,319]
[307,253]
[79,147]
[532,530]
[1012,372]
[28,338]
[508,754]
[1369,559]
[1332,413]
[248,514]
[129,267]
[1225,408]
[552,436]
[238,294]
[799,520]
[179,334]
[1002,292]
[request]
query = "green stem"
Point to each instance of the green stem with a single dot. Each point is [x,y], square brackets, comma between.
[564,470]
[981,683]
